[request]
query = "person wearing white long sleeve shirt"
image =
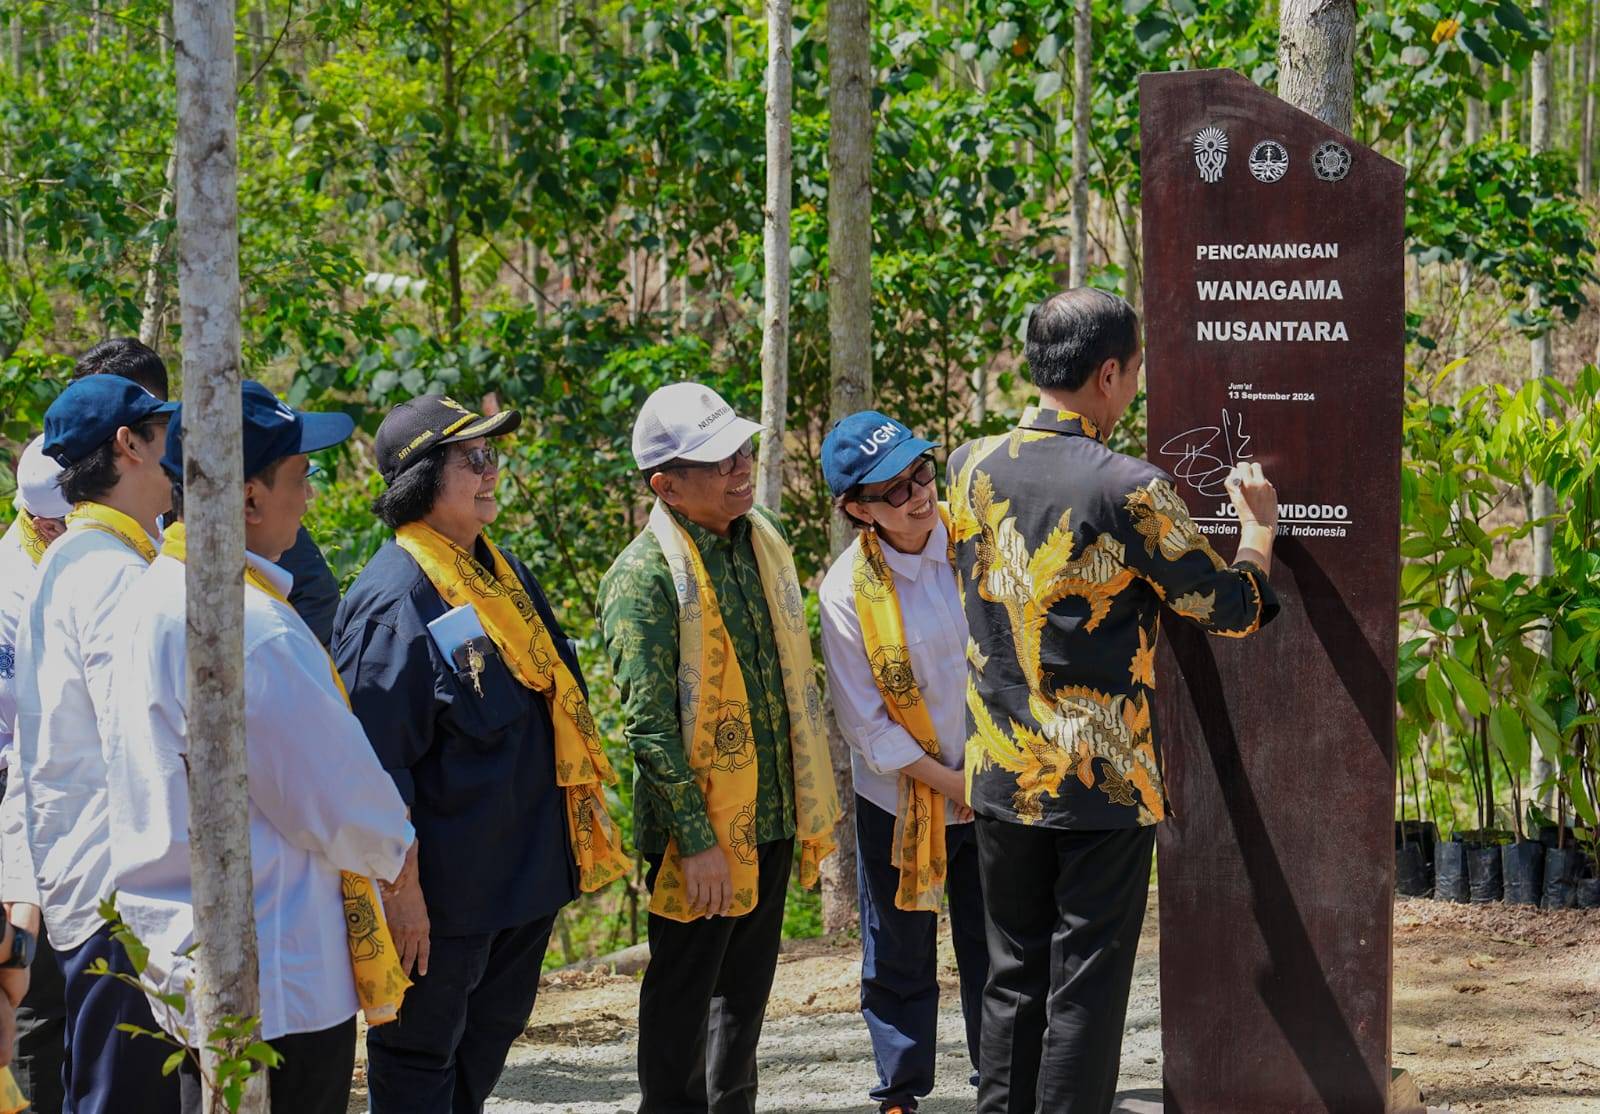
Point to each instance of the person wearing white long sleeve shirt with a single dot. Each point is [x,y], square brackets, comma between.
[41,519]
[41,1014]
[883,479]
[320,802]
[106,433]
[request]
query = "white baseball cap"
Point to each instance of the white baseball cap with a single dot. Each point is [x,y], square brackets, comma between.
[38,489]
[688,421]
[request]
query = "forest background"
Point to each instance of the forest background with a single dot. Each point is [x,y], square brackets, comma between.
[560,205]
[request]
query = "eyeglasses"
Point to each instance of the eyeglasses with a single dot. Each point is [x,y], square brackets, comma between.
[726,465]
[480,461]
[900,493]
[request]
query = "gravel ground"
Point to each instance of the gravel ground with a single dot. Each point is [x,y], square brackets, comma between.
[815,1056]
[1496,1011]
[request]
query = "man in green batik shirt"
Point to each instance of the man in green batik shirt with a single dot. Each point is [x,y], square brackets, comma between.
[705,991]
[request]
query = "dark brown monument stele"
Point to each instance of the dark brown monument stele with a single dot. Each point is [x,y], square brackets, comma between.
[1274,318]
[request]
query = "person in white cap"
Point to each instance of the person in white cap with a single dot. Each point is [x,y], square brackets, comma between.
[703,621]
[41,519]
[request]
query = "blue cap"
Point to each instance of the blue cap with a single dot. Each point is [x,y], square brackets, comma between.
[90,411]
[867,448]
[272,430]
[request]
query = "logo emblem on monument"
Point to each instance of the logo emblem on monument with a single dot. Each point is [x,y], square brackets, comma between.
[1331,161]
[1269,160]
[1211,153]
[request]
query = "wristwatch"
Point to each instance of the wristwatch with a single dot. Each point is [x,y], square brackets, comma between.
[22,948]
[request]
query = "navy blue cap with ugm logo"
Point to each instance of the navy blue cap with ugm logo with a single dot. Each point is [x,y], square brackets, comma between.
[866,448]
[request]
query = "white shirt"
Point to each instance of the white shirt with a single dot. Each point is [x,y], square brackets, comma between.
[16,574]
[936,636]
[320,802]
[63,666]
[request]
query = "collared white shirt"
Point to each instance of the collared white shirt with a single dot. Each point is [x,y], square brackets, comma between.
[16,574]
[936,636]
[63,665]
[320,802]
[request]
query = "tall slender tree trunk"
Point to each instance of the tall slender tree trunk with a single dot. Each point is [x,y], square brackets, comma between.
[1411,262]
[1587,141]
[849,331]
[13,240]
[532,253]
[258,53]
[1543,503]
[1128,245]
[450,97]
[775,285]
[1569,117]
[566,12]
[1508,128]
[155,284]
[1082,119]
[208,292]
[1474,128]
[1474,134]
[1316,58]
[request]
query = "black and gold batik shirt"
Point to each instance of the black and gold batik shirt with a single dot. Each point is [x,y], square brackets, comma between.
[1066,553]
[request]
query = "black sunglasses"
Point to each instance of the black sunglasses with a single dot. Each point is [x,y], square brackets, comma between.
[726,465]
[900,493]
[480,461]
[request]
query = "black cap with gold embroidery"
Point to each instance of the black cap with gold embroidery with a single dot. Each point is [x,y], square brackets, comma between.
[415,428]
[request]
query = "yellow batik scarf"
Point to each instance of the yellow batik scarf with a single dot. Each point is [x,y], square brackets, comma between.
[714,714]
[33,542]
[11,1100]
[511,622]
[918,850]
[380,980]
[98,516]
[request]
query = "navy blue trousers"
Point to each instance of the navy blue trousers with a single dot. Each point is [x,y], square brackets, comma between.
[900,962]
[107,1071]
[446,1051]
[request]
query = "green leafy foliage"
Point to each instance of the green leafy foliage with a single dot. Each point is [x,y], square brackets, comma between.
[241,1054]
[1480,683]
[1517,221]
[482,201]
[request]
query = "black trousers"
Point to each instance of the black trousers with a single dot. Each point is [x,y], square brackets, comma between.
[42,1033]
[446,1051]
[314,1077]
[41,1024]
[704,997]
[1064,912]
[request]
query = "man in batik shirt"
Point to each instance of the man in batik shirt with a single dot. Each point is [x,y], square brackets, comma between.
[704,621]
[1067,552]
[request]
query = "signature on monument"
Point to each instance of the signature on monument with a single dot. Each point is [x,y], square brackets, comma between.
[1205,455]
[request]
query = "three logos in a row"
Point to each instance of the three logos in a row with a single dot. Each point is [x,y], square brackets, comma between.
[1269,159]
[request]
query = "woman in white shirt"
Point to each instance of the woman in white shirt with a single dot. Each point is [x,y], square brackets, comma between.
[894,639]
